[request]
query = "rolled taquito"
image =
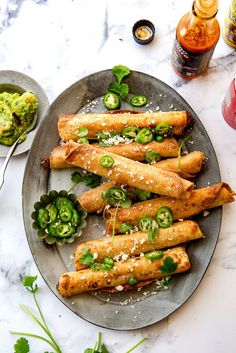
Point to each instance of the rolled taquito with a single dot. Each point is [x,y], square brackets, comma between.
[69,125]
[124,246]
[198,201]
[126,171]
[72,283]
[187,166]
[92,200]
[167,148]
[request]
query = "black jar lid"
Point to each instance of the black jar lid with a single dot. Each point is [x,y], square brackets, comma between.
[143,31]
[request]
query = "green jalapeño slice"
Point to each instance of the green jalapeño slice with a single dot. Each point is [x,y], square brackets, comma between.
[163,129]
[145,224]
[164,217]
[111,101]
[130,132]
[145,135]
[106,161]
[138,101]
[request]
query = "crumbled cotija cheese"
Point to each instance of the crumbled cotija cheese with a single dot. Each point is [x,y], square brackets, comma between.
[119,288]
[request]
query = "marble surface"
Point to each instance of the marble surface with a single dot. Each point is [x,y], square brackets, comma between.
[57,43]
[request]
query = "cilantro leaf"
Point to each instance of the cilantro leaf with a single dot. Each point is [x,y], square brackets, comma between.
[87,257]
[76,177]
[114,87]
[104,349]
[102,267]
[167,281]
[169,266]
[121,89]
[124,90]
[89,350]
[120,72]
[28,283]
[21,345]
[82,132]
[92,180]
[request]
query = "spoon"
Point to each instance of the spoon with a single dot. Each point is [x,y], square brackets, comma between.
[12,149]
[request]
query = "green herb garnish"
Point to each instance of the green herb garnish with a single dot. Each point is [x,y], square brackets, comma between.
[169,266]
[117,197]
[120,72]
[88,260]
[91,180]
[21,345]
[87,257]
[167,281]
[101,348]
[121,89]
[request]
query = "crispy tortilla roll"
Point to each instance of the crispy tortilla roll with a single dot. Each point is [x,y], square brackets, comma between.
[124,246]
[198,201]
[190,164]
[92,200]
[127,287]
[187,166]
[167,148]
[73,283]
[68,125]
[136,151]
[126,171]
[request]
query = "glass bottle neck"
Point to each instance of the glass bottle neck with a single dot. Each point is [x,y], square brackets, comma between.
[205,9]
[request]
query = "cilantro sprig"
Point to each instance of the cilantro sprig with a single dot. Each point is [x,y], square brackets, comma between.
[21,345]
[169,266]
[118,87]
[101,348]
[88,260]
[91,180]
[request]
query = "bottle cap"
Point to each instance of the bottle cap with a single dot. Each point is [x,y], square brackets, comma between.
[143,31]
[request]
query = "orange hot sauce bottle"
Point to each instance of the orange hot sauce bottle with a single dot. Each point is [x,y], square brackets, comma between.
[196,37]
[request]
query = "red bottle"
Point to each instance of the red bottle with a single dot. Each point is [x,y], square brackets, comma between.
[229,105]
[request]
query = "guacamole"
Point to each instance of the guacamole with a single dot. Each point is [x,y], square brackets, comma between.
[16,114]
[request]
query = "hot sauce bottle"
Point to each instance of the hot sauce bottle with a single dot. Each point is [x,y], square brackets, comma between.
[196,37]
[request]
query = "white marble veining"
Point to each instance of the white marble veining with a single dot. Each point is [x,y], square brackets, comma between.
[57,42]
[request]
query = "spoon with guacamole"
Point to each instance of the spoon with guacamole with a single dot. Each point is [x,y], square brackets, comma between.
[18,116]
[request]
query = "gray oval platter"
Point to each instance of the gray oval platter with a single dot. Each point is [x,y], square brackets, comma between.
[17,82]
[122,311]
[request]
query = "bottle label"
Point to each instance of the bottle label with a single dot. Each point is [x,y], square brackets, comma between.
[188,63]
